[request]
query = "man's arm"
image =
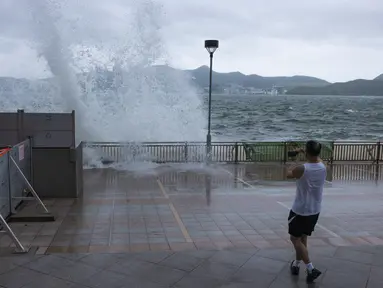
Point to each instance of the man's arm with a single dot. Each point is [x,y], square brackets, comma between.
[296,172]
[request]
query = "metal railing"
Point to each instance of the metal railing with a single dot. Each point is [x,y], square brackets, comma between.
[227,177]
[237,152]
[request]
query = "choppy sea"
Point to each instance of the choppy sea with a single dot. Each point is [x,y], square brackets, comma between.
[265,117]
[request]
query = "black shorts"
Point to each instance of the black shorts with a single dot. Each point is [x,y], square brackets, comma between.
[301,225]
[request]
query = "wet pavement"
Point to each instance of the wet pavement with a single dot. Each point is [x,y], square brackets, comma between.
[351,267]
[176,207]
[224,225]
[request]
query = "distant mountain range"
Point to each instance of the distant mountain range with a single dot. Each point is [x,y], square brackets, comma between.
[359,87]
[237,81]
[299,85]
[201,76]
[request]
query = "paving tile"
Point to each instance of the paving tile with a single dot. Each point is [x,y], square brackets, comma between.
[250,276]
[223,245]
[378,249]
[216,269]
[336,279]
[242,244]
[12,279]
[119,249]
[139,247]
[230,257]
[340,265]
[46,281]
[376,277]
[42,240]
[72,256]
[152,256]
[282,254]
[101,260]
[264,264]
[75,273]
[158,274]
[131,282]
[293,282]
[105,279]
[182,246]
[338,242]
[6,265]
[77,249]
[245,284]
[98,249]
[81,240]
[248,232]
[328,251]
[49,263]
[5,241]
[129,265]
[99,241]
[202,254]
[354,256]
[377,260]
[357,241]
[366,248]
[185,262]
[193,281]
[159,247]
[261,244]
[374,240]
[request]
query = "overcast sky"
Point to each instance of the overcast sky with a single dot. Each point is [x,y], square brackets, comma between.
[337,40]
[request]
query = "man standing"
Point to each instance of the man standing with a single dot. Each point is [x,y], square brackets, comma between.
[305,211]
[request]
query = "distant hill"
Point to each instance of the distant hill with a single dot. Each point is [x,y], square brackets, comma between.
[353,88]
[201,77]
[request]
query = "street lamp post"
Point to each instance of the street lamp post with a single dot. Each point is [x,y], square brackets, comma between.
[211,46]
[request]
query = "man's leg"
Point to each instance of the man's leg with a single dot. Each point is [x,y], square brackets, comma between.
[299,228]
[295,231]
[300,249]
[312,273]
[298,257]
[304,240]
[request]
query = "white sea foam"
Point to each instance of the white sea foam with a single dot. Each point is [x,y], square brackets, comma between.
[109,80]
[121,97]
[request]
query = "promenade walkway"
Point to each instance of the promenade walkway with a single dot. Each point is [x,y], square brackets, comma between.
[192,226]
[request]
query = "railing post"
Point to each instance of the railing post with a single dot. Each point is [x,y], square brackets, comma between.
[378,151]
[186,151]
[20,126]
[9,176]
[31,160]
[284,152]
[134,152]
[236,153]
[332,152]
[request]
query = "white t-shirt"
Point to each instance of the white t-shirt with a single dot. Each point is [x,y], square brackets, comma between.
[308,199]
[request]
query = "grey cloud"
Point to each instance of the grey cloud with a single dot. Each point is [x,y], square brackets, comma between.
[244,27]
[308,20]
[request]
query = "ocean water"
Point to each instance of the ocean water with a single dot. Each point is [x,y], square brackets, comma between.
[287,117]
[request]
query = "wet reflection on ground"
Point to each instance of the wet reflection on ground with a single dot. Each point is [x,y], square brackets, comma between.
[194,206]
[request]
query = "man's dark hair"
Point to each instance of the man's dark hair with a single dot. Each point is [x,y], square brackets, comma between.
[313,148]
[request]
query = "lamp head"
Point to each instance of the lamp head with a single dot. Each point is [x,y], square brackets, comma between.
[211,45]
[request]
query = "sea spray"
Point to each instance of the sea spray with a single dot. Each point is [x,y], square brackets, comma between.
[110,81]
